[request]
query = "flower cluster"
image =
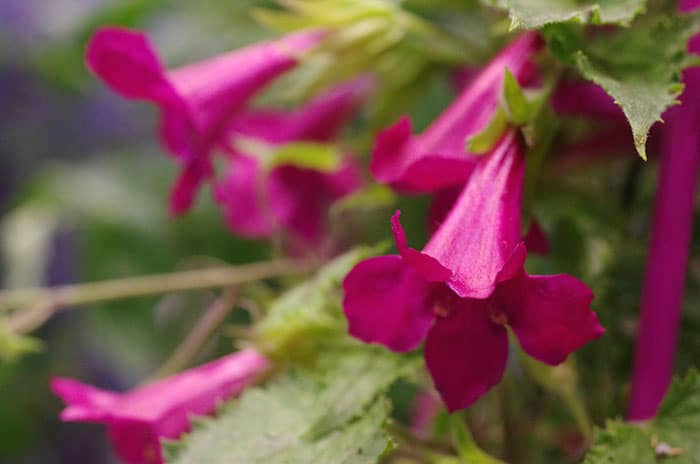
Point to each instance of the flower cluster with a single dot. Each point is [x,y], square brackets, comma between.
[460,294]
[205,106]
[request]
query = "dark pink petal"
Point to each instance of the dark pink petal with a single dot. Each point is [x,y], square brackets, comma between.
[244,196]
[387,302]
[397,162]
[425,265]
[198,101]
[258,204]
[480,237]
[306,198]
[186,186]
[135,442]
[138,418]
[466,353]
[550,315]
[688,5]
[437,158]
[324,117]
[319,120]
[694,44]
[580,98]
[536,239]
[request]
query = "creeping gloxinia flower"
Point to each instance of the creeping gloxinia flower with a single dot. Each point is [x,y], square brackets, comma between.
[196,101]
[466,286]
[257,203]
[137,420]
[437,158]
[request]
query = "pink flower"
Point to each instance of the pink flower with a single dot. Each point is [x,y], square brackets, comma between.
[437,158]
[535,239]
[137,420]
[196,101]
[259,204]
[466,285]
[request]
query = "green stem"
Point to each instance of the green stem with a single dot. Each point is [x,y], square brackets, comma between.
[583,421]
[211,320]
[41,303]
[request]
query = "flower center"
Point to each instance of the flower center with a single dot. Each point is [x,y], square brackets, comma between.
[497,315]
[441,310]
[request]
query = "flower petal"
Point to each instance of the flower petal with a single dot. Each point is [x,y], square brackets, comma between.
[427,266]
[387,302]
[198,101]
[481,234]
[436,159]
[86,403]
[321,119]
[138,418]
[135,442]
[550,315]
[244,199]
[536,239]
[466,353]
[184,190]
[126,61]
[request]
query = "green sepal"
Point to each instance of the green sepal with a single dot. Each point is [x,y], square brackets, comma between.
[518,108]
[482,142]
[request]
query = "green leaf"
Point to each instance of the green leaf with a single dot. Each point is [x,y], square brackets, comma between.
[467,449]
[533,14]
[323,157]
[639,66]
[308,315]
[13,345]
[674,431]
[335,417]
[621,443]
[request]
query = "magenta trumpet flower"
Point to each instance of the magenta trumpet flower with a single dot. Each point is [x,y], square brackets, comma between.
[198,101]
[139,419]
[466,286]
[437,159]
[258,203]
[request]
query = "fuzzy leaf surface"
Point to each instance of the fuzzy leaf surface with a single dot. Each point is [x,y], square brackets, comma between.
[675,430]
[639,67]
[533,14]
[337,416]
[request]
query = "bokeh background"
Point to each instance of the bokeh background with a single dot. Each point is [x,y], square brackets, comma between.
[83,189]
